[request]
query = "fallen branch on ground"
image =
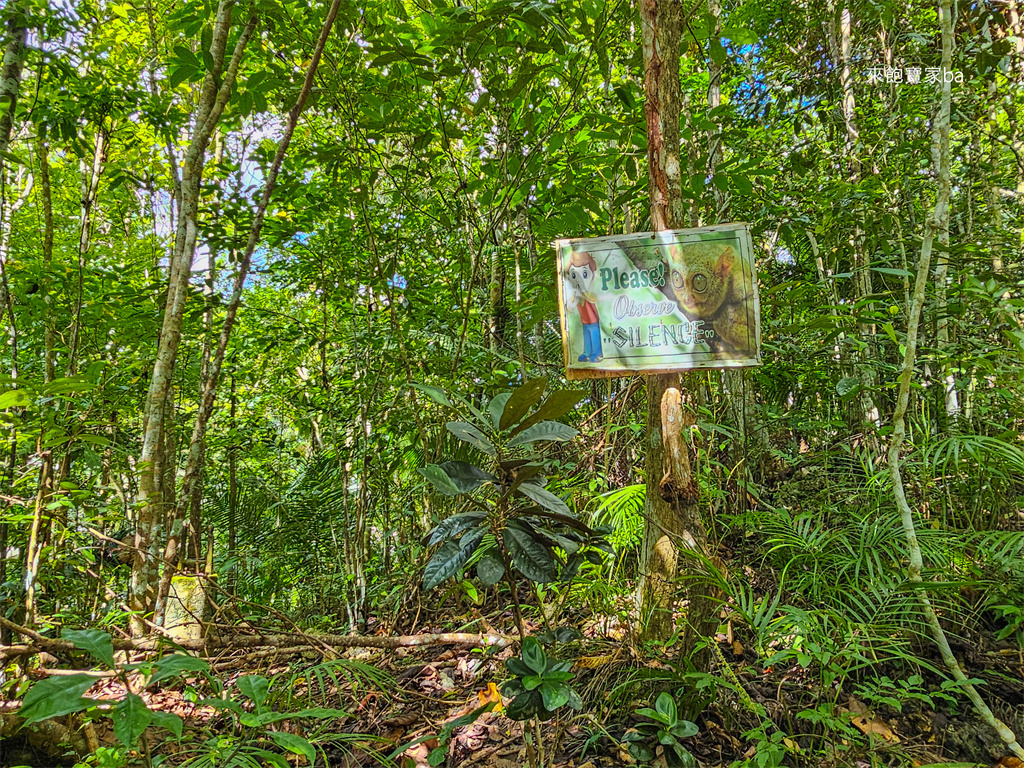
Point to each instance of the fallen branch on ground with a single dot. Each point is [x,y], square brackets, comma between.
[227,640]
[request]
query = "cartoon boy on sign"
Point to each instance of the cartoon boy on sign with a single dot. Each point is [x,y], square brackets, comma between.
[580,273]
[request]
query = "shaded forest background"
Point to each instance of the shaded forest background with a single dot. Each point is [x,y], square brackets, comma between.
[250,250]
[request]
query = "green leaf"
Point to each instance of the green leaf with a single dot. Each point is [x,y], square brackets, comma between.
[131,716]
[684,729]
[530,557]
[254,687]
[497,407]
[544,497]
[452,526]
[574,700]
[555,407]
[450,558]
[517,667]
[294,744]
[666,706]
[531,682]
[175,664]
[439,479]
[490,568]
[16,398]
[95,641]
[648,712]
[465,476]
[534,656]
[522,399]
[169,721]
[435,393]
[56,696]
[555,695]
[847,386]
[545,430]
[742,184]
[470,434]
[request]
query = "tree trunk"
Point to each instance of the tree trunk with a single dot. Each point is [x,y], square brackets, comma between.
[191,475]
[10,86]
[936,224]
[840,29]
[216,91]
[672,516]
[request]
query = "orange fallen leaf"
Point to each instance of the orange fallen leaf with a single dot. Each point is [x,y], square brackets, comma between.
[489,695]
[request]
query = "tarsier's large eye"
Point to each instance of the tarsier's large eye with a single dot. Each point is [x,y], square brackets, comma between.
[700,283]
[585,273]
[572,274]
[677,280]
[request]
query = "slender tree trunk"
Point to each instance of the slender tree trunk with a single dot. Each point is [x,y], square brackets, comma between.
[936,224]
[10,86]
[89,187]
[840,29]
[194,461]
[673,517]
[149,539]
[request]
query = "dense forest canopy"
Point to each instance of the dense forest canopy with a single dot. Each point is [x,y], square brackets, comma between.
[281,368]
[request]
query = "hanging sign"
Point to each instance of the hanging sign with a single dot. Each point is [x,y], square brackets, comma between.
[657,302]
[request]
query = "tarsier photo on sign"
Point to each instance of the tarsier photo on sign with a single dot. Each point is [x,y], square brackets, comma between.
[662,301]
[708,282]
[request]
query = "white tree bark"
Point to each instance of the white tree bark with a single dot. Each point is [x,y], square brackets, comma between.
[937,222]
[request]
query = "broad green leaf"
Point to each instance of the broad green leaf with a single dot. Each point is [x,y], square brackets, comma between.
[517,667]
[555,407]
[16,398]
[295,744]
[255,687]
[545,430]
[531,682]
[167,720]
[530,557]
[666,706]
[648,712]
[452,526]
[439,479]
[56,696]
[175,664]
[497,407]
[131,717]
[95,641]
[465,476]
[847,386]
[555,695]
[534,656]
[450,558]
[523,398]
[684,729]
[490,568]
[545,498]
[470,434]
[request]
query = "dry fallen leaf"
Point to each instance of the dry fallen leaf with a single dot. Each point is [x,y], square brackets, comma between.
[868,723]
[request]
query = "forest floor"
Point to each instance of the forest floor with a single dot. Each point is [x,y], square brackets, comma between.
[425,688]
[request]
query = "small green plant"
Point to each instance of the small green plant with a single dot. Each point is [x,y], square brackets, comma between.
[539,685]
[65,694]
[254,721]
[669,731]
[512,521]
[895,694]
